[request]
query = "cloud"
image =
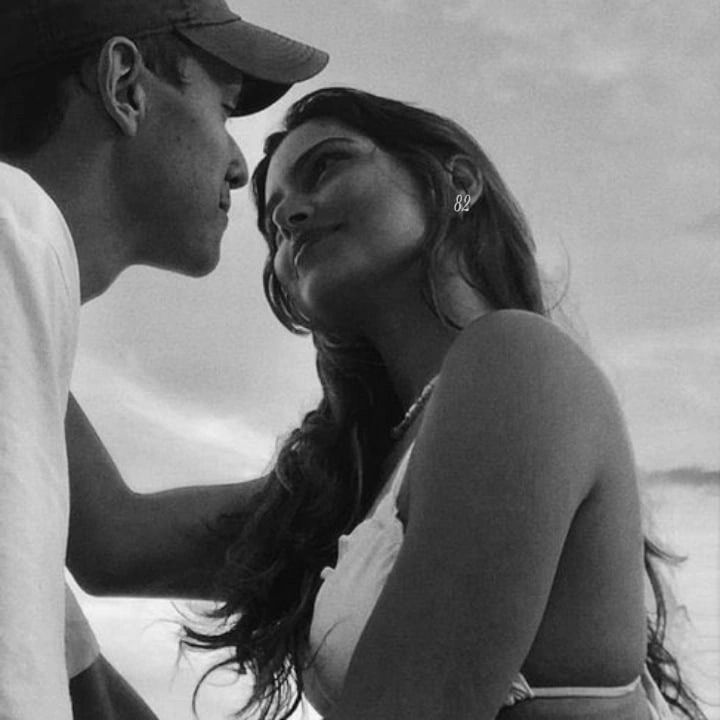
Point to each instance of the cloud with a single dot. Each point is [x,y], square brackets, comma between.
[162,440]
[654,62]
[140,637]
[393,7]
[707,226]
[663,381]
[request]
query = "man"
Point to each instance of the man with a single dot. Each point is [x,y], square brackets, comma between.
[114,152]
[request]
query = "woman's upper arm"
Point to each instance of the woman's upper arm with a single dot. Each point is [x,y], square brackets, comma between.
[506,453]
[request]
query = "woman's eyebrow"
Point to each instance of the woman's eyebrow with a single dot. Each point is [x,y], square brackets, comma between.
[274,199]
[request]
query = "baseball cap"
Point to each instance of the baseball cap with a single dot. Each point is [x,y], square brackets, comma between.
[36,33]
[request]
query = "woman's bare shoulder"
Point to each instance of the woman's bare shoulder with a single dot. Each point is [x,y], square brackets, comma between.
[515,385]
[518,351]
[528,333]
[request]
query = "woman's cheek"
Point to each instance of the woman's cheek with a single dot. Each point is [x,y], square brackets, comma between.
[282,264]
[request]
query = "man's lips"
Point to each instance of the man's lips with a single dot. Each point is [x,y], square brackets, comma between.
[225,200]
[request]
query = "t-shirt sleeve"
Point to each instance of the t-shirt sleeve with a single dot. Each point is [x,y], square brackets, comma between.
[36,350]
[81,648]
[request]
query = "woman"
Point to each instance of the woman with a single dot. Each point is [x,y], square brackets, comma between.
[455,531]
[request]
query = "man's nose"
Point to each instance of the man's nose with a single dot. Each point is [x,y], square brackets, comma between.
[237,174]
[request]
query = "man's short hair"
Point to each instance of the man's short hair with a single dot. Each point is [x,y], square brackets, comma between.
[33,105]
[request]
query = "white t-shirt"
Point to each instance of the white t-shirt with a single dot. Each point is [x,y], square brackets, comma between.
[39,313]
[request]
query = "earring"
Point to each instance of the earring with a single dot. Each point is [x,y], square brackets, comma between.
[462,204]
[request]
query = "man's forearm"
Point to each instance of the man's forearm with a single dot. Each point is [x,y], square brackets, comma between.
[126,543]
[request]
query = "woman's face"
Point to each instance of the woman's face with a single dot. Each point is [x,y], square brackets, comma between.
[348,221]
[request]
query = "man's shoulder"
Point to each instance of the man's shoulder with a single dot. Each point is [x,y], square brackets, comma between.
[24,201]
[18,188]
[32,226]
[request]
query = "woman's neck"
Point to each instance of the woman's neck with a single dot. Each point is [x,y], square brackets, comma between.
[413,341]
[413,351]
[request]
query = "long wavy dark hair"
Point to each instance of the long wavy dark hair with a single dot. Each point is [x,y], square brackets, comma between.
[327,472]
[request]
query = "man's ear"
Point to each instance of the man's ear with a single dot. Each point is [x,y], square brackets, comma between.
[120,74]
[466,179]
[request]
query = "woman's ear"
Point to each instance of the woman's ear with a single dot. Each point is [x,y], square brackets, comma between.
[466,179]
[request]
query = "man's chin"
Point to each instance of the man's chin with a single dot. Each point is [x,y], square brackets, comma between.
[196,265]
[200,269]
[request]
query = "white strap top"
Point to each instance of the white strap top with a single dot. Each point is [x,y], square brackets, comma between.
[348,595]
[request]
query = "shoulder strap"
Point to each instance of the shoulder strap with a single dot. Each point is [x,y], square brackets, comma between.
[399,473]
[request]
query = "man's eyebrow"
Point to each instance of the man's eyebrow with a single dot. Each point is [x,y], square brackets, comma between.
[274,199]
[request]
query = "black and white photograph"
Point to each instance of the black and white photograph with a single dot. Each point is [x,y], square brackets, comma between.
[359,360]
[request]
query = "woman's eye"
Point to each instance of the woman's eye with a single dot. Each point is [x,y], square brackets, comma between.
[322,164]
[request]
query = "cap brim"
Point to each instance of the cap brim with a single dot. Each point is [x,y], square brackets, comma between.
[270,63]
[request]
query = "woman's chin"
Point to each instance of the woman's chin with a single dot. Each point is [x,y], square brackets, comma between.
[336,318]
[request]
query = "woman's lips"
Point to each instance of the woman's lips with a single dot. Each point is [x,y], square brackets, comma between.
[299,252]
[308,238]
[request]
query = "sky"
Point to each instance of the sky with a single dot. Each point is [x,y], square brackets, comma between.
[604,118]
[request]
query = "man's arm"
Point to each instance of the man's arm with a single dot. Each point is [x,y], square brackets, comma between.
[101,692]
[127,543]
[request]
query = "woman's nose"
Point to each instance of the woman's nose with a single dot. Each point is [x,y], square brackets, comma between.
[292,213]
